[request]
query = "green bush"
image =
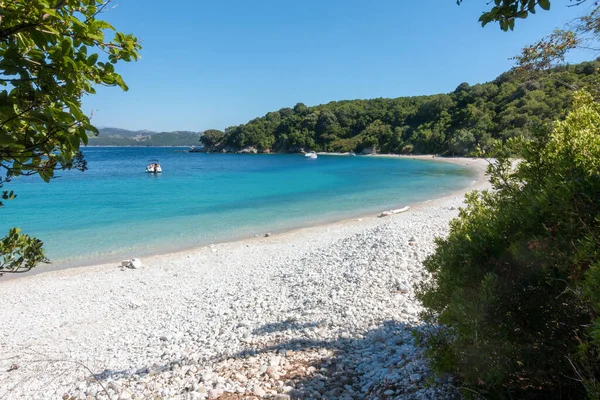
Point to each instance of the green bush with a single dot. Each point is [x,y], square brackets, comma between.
[516,285]
[346,145]
[407,149]
[212,137]
[20,253]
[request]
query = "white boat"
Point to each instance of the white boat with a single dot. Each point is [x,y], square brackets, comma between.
[153,167]
[311,154]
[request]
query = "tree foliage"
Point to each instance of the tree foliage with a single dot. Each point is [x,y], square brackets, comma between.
[19,252]
[583,32]
[506,12]
[52,53]
[456,123]
[516,283]
[211,137]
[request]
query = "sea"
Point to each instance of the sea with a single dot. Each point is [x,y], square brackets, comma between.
[116,210]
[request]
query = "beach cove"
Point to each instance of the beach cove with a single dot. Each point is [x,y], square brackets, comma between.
[321,312]
[115,210]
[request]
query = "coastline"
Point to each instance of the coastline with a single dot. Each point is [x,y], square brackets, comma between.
[235,317]
[478,165]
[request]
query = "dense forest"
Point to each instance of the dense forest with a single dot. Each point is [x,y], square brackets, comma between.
[454,123]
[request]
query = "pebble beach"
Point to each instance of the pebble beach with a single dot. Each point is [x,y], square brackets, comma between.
[324,312]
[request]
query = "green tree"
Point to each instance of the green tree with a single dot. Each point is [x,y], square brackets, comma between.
[461,143]
[300,109]
[513,104]
[516,283]
[211,137]
[506,12]
[551,50]
[377,134]
[52,53]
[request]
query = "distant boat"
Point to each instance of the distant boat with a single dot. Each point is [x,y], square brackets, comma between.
[153,167]
[194,149]
[352,153]
[311,154]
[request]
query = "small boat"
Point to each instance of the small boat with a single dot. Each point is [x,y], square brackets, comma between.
[194,149]
[352,154]
[311,154]
[153,167]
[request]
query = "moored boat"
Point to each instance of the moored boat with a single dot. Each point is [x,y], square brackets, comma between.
[153,167]
[311,154]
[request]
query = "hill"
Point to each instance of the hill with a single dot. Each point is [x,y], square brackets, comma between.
[124,137]
[453,123]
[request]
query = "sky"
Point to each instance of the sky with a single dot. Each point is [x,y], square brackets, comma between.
[214,64]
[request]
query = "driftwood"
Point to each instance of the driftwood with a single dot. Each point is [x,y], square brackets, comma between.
[392,212]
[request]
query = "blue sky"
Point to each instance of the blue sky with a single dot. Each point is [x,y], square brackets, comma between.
[216,64]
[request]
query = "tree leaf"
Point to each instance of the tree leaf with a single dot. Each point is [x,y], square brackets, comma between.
[545,4]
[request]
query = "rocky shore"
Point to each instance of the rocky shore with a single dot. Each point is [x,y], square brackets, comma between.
[325,313]
[222,148]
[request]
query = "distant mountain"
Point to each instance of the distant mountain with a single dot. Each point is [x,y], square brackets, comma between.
[124,132]
[124,137]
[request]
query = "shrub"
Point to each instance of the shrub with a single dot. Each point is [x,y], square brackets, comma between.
[407,149]
[516,284]
[212,137]
[19,252]
[345,145]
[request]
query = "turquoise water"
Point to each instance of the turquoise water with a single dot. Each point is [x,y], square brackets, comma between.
[116,209]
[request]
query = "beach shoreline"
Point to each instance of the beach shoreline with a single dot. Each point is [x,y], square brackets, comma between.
[256,317]
[478,165]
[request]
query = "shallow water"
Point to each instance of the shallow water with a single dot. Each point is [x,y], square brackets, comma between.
[115,209]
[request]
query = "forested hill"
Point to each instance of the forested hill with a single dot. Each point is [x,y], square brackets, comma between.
[124,137]
[453,123]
